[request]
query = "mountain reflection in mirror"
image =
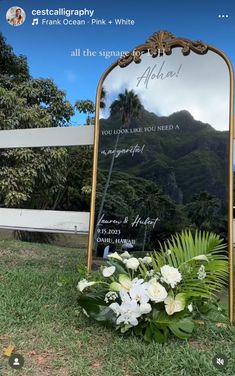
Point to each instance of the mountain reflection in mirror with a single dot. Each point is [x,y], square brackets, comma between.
[163,151]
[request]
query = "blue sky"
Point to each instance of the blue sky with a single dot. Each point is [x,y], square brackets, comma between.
[48,48]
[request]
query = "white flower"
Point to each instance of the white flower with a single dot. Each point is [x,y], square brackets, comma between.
[176,304]
[128,311]
[125,283]
[125,255]
[116,308]
[132,263]
[190,307]
[110,296]
[201,272]
[147,260]
[138,291]
[115,256]
[156,292]
[108,271]
[150,273]
[170,275]
[145,308]
[83,284]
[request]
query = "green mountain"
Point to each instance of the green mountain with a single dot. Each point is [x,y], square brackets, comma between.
[181,155]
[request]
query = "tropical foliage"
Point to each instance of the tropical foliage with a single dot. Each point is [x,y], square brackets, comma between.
[86,107]
[162,293]
[38,178]
[26,102]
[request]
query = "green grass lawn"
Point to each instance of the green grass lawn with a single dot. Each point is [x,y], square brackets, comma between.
[40,317]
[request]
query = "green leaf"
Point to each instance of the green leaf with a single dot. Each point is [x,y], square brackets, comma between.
[182,328]
[105,315]
[148,335]
[160,333]
[91,302]
[119,268]
[188,252]
[97,308]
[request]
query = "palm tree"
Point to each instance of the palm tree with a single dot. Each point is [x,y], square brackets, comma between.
[128,105]
[86,107]
[205,210]
[102,98]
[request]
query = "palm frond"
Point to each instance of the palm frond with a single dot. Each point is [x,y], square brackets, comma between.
[180,252]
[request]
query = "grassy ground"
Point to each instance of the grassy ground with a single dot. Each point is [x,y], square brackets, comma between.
[39,316]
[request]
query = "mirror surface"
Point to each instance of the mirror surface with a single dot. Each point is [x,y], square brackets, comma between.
[163,151]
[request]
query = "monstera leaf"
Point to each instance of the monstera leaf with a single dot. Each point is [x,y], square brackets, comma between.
[96,308]
[161,325]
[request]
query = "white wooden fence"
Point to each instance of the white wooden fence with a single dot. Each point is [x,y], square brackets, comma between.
[46,220]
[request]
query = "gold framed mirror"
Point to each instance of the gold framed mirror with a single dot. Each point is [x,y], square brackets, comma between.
[163,149]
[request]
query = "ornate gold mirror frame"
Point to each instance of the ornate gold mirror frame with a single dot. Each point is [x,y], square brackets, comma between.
[158,44]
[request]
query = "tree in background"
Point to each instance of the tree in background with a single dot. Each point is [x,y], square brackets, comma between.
[38,178]
[29,103]
[103,98]
[205,211]
[88,107]
[128,105]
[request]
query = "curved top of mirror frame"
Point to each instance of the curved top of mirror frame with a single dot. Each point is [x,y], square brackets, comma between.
[159,44]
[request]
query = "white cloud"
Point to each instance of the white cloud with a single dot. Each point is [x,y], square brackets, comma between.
[201,86]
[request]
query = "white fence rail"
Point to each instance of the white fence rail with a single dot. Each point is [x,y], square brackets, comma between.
[39,137]
[46,220]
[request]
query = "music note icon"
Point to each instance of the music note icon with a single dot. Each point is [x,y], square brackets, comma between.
[35,21]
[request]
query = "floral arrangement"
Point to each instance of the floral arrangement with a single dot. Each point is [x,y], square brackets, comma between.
[163,292]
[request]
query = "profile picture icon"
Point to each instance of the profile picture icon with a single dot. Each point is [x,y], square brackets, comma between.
[15,16]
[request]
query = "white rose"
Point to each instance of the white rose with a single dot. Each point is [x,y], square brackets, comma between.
[132,263]
[147,260]
[84,284]
[115,256]
[156,292]
[176,304]
[170,275]
[108,271]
